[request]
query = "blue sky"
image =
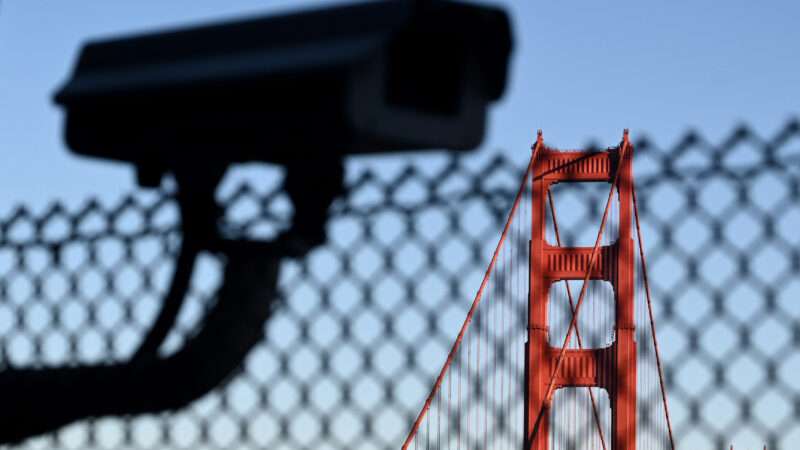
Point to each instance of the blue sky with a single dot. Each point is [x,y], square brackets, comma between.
[581,71]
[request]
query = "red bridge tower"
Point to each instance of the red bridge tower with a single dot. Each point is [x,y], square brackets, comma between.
[614,367]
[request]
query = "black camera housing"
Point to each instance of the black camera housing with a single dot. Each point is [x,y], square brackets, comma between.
[368,78]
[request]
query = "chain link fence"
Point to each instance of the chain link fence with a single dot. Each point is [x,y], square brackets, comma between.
[365,321]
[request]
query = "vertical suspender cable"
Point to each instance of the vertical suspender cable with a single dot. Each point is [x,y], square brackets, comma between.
[492,337]
[439,420]
[505,326]
[458,401]
[469,389]
[480,392]
[652,320]
[449,408]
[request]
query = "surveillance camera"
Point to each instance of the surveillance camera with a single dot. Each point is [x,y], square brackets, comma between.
[376,77]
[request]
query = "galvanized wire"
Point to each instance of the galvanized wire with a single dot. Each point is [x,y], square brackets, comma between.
[366,320]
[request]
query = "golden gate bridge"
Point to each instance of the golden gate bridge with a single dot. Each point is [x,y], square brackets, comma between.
[538,366]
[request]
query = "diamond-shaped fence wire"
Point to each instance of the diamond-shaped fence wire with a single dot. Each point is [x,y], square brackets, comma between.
[365,321]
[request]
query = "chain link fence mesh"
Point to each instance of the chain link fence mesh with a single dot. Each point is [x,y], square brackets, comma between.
[366,320]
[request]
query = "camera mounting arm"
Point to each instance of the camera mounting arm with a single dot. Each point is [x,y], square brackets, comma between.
[41,400]
[300,90]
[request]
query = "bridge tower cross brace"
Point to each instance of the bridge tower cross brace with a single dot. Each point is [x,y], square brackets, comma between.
[614,367]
